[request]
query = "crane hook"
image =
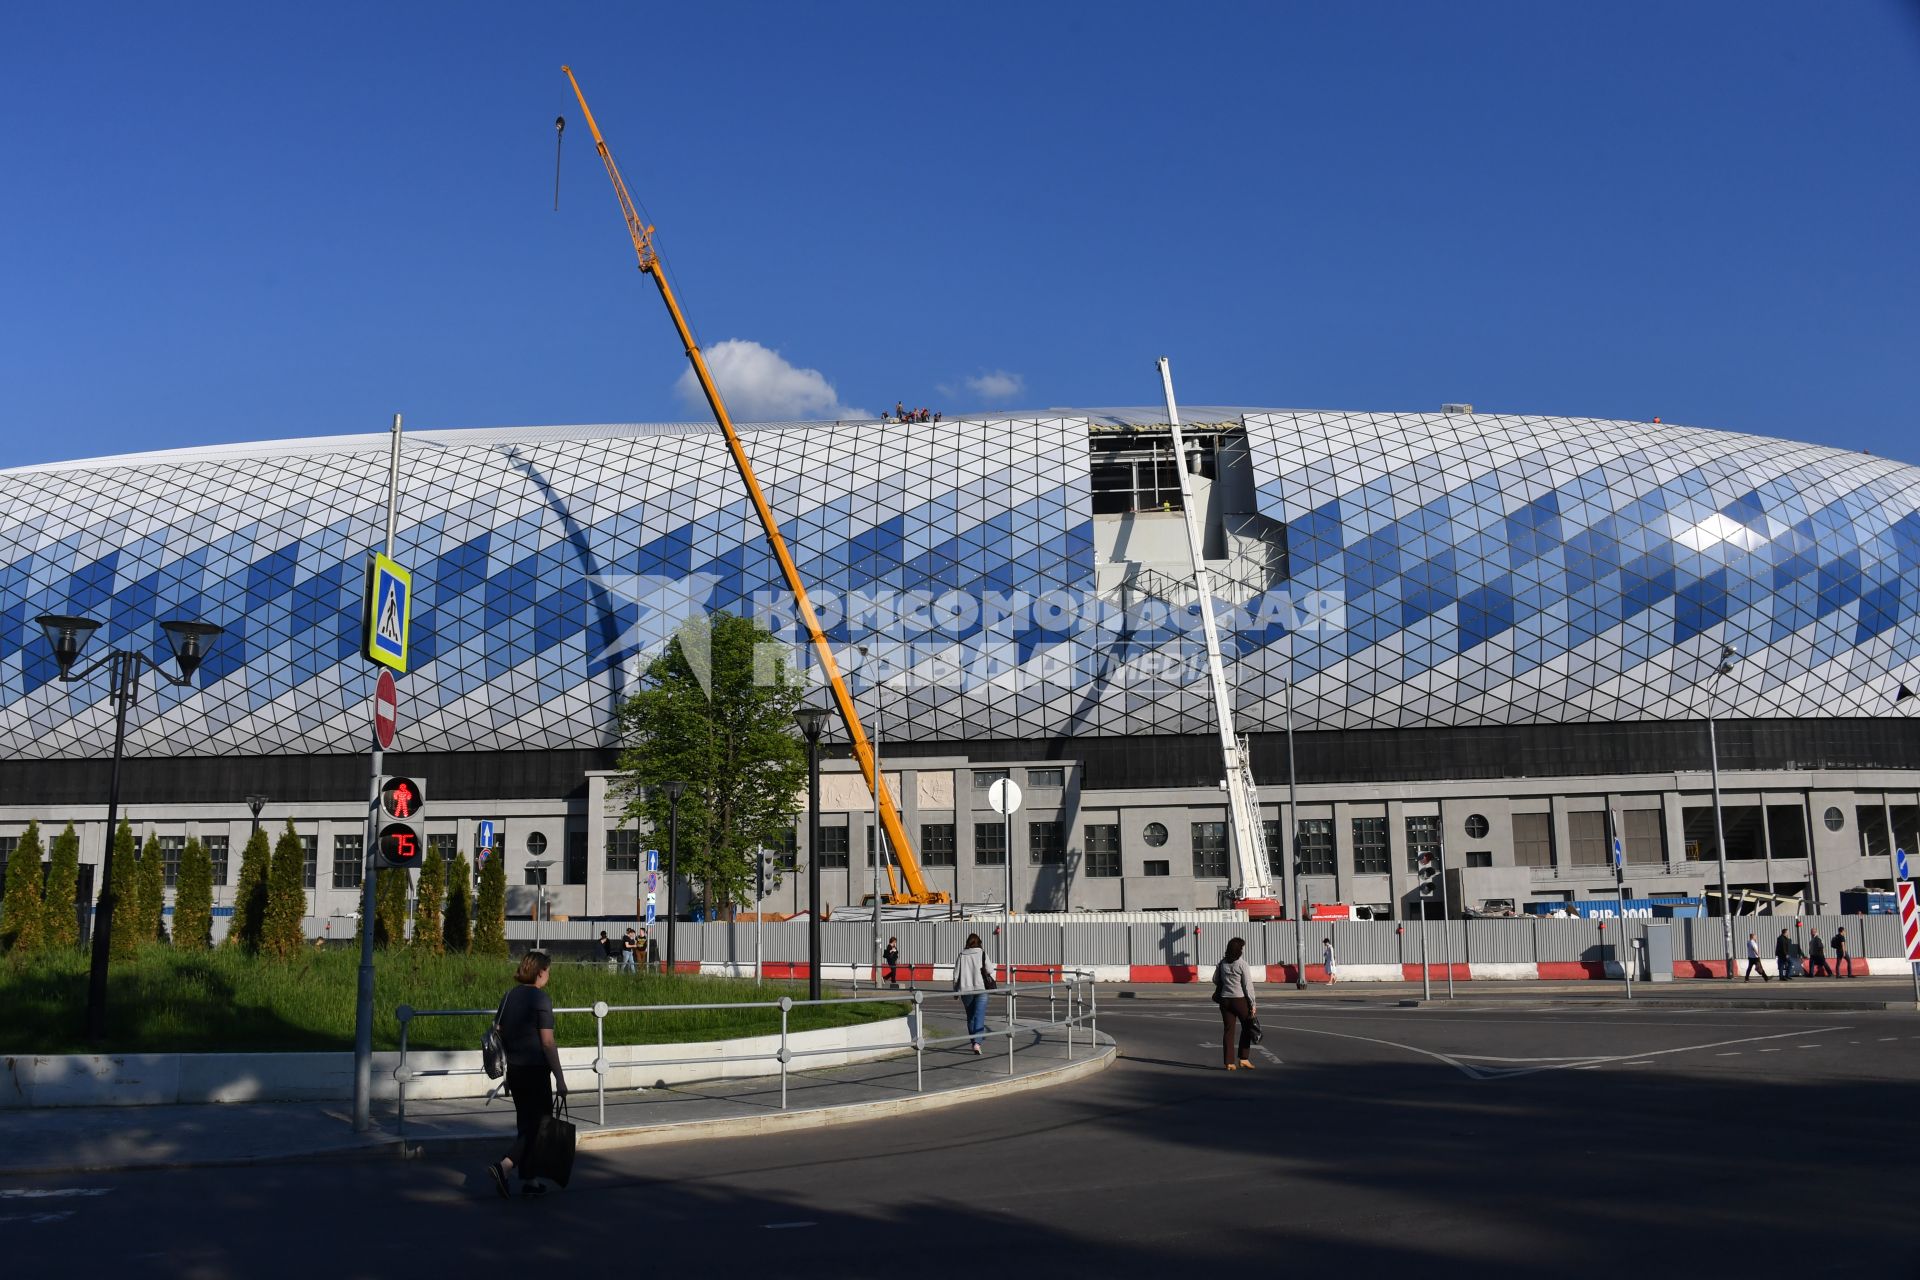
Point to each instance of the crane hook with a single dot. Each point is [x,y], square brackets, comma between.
[559,132]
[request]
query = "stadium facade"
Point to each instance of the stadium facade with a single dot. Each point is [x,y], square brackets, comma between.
[1498,636]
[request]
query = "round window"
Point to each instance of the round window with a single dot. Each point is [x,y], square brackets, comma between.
[1155,834]
[536,844]
[1476,826]
[1835,819]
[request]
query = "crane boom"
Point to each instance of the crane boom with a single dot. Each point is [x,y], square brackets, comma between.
[642,236]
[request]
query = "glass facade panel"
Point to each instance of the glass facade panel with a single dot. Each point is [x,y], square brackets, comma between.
[310,860]
[937,844]
[623,849]
[1046,843]
[171,847]
[347,862]
[1423,836]
[989,844]
[1210,851]
[218,848]
[835,850]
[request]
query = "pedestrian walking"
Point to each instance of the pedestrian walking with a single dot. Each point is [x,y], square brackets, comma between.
[611,949]
[892,958]
[533,1067]
[629,948]
[1233,988]
[1753,960]
[1841,955]
[1817,966]
[973,978]
[1782,956]
[1327,960]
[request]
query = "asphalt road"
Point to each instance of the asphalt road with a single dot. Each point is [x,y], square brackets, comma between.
[1495,1138]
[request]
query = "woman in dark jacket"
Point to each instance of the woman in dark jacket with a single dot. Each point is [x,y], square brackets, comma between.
[1233,988]
[526,1033]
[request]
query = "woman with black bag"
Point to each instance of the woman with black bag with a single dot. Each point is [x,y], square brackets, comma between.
[973,978]
[525,1020]
[1233,989]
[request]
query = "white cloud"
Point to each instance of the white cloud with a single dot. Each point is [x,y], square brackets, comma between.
[760,386]
[998,385]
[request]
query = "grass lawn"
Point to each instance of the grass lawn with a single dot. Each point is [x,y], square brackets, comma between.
[165,1001]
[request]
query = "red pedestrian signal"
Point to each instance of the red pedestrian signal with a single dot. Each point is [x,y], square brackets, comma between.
[403,831]
[399,798]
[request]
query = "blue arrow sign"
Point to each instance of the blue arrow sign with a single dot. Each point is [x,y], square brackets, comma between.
[650,911]
[653,859]
[485,837]
[1900,863]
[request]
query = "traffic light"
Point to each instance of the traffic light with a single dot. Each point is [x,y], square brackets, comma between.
[1428,865]
[403,828]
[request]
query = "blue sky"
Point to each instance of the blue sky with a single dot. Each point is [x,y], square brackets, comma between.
[257,221]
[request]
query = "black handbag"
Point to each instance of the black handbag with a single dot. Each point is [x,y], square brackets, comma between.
[1254,1034]
[1219,985]
[986,972]
[493,1049]
[550,1154]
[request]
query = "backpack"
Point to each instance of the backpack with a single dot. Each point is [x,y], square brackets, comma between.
[493,1048]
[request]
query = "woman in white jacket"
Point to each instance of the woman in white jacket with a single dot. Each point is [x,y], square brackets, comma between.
[973,978]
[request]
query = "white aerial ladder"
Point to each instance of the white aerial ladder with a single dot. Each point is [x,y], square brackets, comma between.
[1252,886]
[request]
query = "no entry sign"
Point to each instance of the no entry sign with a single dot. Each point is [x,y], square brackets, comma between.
[386,711]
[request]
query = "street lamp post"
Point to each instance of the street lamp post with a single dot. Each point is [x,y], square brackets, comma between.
[1293,851]
[256,803]
[812,721]
[674,791]
[1725,667]
[539,867]
[69,635]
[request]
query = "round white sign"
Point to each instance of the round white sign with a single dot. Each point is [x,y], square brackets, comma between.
[1004,796]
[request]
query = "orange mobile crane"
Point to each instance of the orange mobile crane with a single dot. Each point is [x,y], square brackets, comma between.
[916,891]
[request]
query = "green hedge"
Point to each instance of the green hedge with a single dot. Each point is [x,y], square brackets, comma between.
[163,1000]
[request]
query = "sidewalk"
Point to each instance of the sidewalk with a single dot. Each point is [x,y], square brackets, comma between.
[1867,994]
[95,1139]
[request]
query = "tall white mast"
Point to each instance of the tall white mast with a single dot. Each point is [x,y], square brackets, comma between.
[1249,850]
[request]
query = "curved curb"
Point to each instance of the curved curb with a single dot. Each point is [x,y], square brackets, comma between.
[812,1118]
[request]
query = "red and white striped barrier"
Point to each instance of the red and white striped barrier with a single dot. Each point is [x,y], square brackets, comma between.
[936,976]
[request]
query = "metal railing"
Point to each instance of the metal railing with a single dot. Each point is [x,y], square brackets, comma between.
[1073,989]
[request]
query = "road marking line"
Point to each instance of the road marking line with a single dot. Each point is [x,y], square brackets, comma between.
[1806,1046]
[51,1193]
[1770,1050]
[1884,1039]
[787,1226]
[1732,1053]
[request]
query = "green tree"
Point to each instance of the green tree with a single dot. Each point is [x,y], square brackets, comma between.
[427,897]
[250,895]
[124,886]
[735,750]
[62,919]
[193,899]
[456,929]
[22,913]
[490,912]
[390,907]
[281,934]
[153,892]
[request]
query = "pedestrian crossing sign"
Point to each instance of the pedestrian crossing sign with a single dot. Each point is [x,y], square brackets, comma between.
[389,605]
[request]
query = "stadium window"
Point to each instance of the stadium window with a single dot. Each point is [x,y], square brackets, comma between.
[788,850]
[623,849]
[1046,843]
[1046,779]
[1276,842]
[1210,851]
[347,862]
[1316,846]
[7,845]
[310,861]
[1478,826]
[576,868]
[1370,846]
[1479,858]
[1787,830]
[989,845]
[1645,836]
[937,848]
[1533,840]
[833,847]
[170,849]
[1103,848]
[217,847]
[1587,832]
[1423,836]
[1871,821]
[444,845]
[1156,867]
[984,778]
